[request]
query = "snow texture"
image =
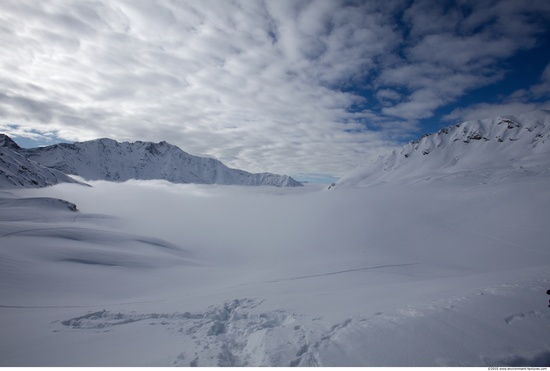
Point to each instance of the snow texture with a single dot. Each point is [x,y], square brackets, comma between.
[451,271]
[107,159]
[18,172]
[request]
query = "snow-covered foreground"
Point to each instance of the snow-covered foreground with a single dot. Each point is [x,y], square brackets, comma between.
[150,273]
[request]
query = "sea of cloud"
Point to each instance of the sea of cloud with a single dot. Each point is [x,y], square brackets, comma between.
[155,273]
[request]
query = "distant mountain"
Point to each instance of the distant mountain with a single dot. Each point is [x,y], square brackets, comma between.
[107,159]
[477,151]
[18,172]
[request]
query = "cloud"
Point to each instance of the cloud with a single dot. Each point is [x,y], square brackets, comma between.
[454,49]
[543,88]
[262,86]
[520,101]
[487,110]
[246,82]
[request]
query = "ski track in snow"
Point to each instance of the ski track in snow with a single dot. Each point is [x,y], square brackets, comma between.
[78,306]
[338,272]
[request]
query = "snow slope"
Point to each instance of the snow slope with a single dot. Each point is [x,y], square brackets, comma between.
[7,142]
[107,159]
[489,150]
[18,172]
[203,275]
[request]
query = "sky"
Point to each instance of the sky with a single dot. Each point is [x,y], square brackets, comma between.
[310,89]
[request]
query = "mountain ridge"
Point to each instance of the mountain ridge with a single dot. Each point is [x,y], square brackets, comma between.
[16,171]
[504,145]
[108,159]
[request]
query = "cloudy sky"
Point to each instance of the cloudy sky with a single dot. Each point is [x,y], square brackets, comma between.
[305,88]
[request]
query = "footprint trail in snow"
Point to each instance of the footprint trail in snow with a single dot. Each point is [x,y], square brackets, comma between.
[233,334]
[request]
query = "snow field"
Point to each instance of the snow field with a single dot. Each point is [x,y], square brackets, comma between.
[153,273]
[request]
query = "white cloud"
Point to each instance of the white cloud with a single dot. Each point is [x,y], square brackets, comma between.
[454,49]
[247,83]
[543,88]
[487,110]
[388,94]
[520,101]
[263,86]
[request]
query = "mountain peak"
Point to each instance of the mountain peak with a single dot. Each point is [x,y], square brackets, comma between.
[6,141]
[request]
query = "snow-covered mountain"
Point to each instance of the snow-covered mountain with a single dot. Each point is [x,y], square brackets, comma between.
[108,159]
[18,172]
[478,151]
[7,142]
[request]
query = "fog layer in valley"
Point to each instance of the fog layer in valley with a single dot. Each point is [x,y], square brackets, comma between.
[153,273]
